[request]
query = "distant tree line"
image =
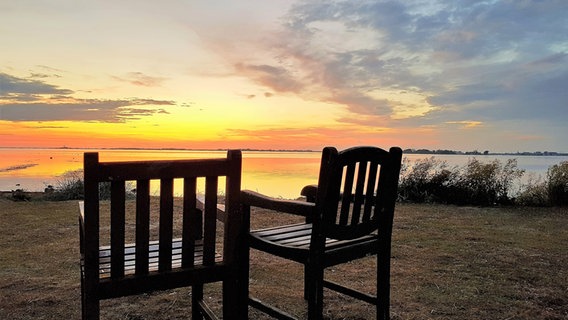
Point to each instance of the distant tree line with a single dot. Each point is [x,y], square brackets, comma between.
[486,152]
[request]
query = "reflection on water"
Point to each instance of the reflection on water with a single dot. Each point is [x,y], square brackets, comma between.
[278,174]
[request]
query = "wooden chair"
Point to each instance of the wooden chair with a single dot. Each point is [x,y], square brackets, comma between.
[112,267]
[351,217]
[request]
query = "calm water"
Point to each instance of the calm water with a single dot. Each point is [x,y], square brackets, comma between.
[278,174]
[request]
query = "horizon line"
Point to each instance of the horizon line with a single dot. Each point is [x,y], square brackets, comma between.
[407,150]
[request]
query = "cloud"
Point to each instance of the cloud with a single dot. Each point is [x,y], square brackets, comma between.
[17,86]
[32,100]
[468,61]
[466,124]
[141,79]
[277,78]
[79,110]
[510,93]
[43,75]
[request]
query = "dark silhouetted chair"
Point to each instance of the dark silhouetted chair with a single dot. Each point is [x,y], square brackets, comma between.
[351,217]
[128,248]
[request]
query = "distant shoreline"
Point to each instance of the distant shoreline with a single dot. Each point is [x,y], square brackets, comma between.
[477,153]
[155,149]
[406,151]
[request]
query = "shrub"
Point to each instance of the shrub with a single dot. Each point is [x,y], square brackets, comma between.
[487,183]
[20,195]
[70,186]
[558,184]
[534,194]
[477,183]
[416,182]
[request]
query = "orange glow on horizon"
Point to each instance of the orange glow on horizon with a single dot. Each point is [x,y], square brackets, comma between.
[216,117]
[181,135]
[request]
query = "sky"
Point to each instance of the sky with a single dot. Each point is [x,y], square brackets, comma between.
[282,74]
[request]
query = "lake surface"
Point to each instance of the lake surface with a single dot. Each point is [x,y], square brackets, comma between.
[277,174]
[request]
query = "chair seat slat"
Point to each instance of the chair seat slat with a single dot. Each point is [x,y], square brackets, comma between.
[153,259]
[292,227]
[282,236]
[299,236]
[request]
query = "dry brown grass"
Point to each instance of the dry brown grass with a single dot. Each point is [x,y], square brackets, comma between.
[448,263]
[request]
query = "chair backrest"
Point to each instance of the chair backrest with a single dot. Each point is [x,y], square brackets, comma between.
[198,217]
[357,191]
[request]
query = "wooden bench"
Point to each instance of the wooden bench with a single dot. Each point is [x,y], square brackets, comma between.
[143,252]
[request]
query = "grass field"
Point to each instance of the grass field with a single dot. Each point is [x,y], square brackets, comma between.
[448,263]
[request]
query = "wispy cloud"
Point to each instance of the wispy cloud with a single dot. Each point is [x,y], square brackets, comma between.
[277,78]
[34,100]
[141,79]
[467,124]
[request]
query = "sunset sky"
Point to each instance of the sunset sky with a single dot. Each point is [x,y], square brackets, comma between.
[281,74]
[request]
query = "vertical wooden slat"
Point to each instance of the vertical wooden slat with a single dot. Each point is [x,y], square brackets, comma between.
[370,193]
[233,226]
[191,222]
[210,219]
[142,225]
[117,221]
[166,223]
[91,222]
[90,282]
[359,196]
[347,194]
[384,190]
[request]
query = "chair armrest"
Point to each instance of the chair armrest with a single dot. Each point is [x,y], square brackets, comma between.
[81,224]
[310,192]
[255,199]
[221,214]
[81,214]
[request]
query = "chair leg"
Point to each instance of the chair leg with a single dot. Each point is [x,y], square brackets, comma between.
[383,289]
[90,309]
[90,305]
[196,298]
[315,298]
[307,283]
[243,266]
[230,299]
[83,300]
[234,303]
[243,284]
